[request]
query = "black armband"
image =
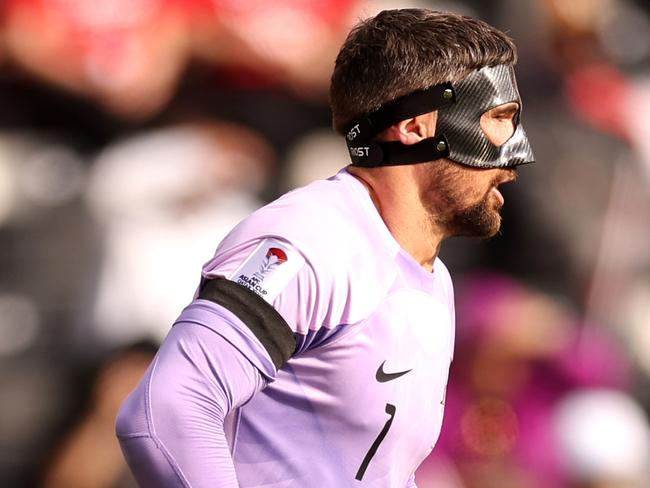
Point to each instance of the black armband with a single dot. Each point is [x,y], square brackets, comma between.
[259,316]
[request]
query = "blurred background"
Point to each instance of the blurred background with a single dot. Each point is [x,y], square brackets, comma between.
[135,133]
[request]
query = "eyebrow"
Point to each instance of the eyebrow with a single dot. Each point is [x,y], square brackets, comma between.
[505,109]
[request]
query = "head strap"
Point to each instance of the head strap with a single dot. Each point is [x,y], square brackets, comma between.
[393,153]
[363,129]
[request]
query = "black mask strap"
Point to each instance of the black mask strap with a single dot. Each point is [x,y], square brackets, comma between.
[394,153]
[361,131]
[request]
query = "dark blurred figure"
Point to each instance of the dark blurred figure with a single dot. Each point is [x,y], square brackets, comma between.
[88,455]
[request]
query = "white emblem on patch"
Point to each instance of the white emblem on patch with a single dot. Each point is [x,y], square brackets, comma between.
[269,268]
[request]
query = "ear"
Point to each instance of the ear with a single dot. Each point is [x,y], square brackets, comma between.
[413,130]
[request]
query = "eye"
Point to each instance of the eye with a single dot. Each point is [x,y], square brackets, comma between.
[498,123]
[504,112]
[505,115]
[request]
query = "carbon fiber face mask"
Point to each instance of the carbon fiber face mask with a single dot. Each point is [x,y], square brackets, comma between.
[459,136]
[460,124]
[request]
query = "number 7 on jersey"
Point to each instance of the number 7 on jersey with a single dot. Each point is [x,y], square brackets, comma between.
[390,410]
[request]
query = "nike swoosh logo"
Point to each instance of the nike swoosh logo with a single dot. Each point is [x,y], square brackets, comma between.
[383,377]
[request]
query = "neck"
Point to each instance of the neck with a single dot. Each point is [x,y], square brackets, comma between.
[394,193]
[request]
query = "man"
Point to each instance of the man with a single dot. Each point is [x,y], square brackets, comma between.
[317,351]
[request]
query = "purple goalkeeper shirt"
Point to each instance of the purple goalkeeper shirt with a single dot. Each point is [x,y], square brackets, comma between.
[360,403]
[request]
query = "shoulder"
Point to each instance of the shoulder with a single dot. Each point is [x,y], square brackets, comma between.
[335,233]
[324,221]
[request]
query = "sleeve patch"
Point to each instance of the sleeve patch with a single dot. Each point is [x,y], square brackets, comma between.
[269,268]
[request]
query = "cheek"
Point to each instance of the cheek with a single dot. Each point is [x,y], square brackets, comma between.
[477,189]
[481,186]
[459,187]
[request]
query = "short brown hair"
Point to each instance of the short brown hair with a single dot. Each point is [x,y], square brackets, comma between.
[400,51]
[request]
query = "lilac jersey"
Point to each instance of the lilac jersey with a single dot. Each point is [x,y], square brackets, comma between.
[360,402]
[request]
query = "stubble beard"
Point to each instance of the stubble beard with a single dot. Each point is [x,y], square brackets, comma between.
[447,211]
[479,220]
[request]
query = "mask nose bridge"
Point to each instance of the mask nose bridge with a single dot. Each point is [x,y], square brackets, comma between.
[517,143]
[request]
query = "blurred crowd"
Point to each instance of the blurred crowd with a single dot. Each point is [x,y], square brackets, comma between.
[135,133]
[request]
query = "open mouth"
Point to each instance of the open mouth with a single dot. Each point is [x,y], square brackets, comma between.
[497,193]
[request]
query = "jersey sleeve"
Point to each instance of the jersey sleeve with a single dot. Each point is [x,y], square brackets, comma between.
[172,428]
[279,272]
